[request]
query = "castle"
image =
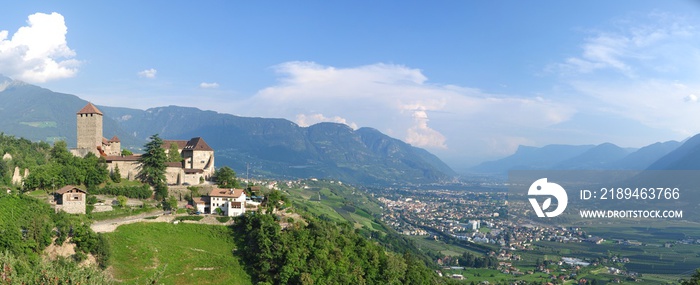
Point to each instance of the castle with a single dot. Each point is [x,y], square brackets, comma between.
[196,166]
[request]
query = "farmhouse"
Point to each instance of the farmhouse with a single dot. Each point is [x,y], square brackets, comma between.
[230,201]
[70,199]
[198,156]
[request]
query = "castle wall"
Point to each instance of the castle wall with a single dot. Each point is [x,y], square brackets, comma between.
[127,169]
[192,179]
[174,175]
[201,159]
[113,148]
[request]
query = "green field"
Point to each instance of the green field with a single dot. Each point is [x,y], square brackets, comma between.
[41,125]
[427,243]
[185,253]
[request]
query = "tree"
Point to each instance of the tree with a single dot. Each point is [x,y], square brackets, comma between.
[170,204]
[226,178]
[152,163]
[694,279]
[116,176]
[174,153]
[126,152]
[122,201]
[161,192]
[60,153]
[95,171]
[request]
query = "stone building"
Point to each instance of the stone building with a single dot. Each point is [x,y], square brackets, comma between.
[198,156]
[70,199]
[89,121]
[197,161]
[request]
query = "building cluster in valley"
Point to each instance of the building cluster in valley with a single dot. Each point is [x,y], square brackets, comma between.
[197,166]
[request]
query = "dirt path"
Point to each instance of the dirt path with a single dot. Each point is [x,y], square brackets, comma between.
[107,226]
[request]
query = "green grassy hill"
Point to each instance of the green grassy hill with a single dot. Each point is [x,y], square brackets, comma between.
[177,253]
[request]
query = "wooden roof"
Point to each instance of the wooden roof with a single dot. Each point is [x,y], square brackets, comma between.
[68,188]
[179,143]
[198,144]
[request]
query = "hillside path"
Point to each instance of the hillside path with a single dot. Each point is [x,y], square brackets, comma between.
[108,226]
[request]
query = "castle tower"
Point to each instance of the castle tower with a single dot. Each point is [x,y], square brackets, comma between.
[89,120]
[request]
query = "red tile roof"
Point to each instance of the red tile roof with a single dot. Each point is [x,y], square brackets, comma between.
[89,109]
[228,193]
[180,144]
[199,200]
[174,164]
[114,139]
[197,143]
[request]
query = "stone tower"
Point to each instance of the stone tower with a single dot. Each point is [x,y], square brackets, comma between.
[89,128]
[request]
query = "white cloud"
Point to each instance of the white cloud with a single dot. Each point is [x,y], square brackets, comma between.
[209,85]
[692,98]
[38,52]
[148,73]
[308,120]
[422,135]
[400,101]
[659,59]
[633,45]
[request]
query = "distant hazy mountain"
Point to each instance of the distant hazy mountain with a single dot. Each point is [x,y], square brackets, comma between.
[685,157]
[645,156]
[528,157]
[259,146]
[603,156]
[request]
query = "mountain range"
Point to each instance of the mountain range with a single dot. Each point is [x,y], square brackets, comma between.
[670,155]
[273,148]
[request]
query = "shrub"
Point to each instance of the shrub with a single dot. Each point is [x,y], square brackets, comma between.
[189,218]
[223,219]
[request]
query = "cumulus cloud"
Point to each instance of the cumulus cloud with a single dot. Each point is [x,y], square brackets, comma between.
[422,135]
[401,102]
[308,120]
[692,98]
[148,73]
[38,52]
[209,85]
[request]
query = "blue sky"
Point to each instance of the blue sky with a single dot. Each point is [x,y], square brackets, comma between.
[467,80]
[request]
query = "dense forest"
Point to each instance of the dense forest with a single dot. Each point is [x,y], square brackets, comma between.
[322,252]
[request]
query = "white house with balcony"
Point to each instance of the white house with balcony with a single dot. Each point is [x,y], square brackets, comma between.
[230,201]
